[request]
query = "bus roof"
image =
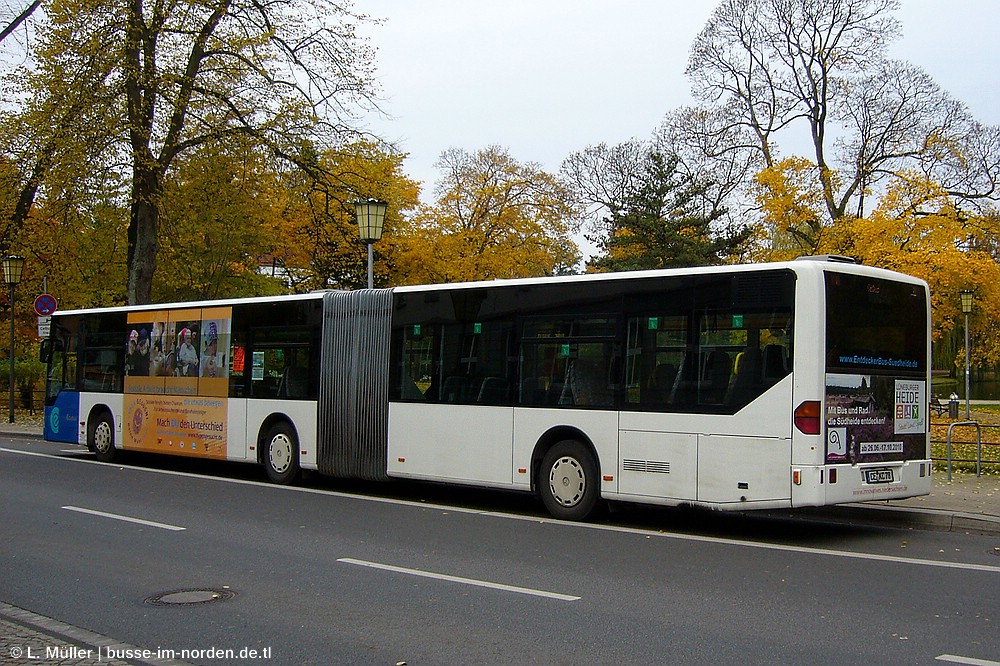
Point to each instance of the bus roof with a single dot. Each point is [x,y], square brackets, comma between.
[801,265]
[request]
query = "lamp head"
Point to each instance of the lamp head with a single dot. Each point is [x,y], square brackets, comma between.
[13,269]
[371,219]
[966,295]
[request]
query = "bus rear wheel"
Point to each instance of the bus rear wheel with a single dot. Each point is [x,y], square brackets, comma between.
[281,454]
[101,439]
[567,481]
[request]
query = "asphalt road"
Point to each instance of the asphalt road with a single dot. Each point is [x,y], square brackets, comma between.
[336,573]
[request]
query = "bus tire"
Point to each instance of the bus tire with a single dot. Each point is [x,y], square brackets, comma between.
[101,438]
[568,481]
[281,454]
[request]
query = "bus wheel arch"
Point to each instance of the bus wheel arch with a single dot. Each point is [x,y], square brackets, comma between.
[101,433]
[566,473]
[278,449]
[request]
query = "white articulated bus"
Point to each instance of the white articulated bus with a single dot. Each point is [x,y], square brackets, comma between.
[790,384]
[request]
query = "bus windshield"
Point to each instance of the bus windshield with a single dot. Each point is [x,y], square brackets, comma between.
[875,325]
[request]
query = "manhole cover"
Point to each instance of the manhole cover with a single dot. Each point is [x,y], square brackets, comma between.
[190,597]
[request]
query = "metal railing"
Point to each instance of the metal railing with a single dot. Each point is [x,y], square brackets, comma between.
[992,447]
[979,444]
[33,403]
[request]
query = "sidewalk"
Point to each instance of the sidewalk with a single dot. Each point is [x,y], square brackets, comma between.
[29,639]
[966,503]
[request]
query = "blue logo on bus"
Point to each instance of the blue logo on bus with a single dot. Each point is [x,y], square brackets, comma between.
[54,420]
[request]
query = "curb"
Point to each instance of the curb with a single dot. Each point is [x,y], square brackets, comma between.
[39,632]
[21,434]
[937,520]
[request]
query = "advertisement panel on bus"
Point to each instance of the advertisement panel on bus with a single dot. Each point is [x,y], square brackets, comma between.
[873,418]
[176,381]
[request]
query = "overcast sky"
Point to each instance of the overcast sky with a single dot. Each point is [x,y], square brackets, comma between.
[545,78]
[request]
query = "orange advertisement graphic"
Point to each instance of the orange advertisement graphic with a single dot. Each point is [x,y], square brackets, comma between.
[176,424]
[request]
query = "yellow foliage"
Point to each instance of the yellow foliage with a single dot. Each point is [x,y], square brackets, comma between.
[494,218]
[918,231]
[790,195]
[317,234]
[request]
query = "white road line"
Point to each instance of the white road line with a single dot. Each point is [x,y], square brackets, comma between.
[127,519]
[538,519]
[457,579]
[972,661]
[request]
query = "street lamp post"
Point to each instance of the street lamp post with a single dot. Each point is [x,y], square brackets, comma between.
[371,218]
[13,269]
[966,308]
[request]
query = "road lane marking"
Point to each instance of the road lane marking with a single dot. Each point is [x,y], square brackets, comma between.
[993,569]
[127,519]
[458,579]
[971,661]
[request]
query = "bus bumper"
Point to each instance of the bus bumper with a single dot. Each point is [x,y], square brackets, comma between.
[840,484]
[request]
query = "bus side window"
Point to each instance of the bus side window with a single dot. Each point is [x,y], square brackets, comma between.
[294,380]
[775,363]
[655,357]
[62,372]
[47,348]
[416,373]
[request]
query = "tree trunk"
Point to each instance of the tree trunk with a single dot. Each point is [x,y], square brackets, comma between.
[143,232]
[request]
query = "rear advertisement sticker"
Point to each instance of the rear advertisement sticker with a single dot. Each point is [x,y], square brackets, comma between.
[871,418]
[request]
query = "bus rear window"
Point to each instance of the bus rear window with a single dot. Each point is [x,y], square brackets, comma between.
[875,325]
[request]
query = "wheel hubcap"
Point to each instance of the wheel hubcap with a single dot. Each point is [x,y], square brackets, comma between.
[567,481]
[280,454]
[102,437]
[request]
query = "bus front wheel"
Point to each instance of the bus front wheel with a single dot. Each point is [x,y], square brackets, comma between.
[102,438]
[281,454]
[567,481]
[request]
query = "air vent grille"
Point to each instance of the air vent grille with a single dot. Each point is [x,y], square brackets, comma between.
[651,466]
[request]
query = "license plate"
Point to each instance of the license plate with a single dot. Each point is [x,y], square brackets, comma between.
[878,476]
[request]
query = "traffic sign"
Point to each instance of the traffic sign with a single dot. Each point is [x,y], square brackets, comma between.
[44,326]
[45,304]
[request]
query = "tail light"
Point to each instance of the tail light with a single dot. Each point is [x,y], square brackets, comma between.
[807,417]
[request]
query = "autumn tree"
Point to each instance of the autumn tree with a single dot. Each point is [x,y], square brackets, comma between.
[219,217]
[65,127]
[189,74]
[790,196]
[769,67]
[318,238]
[192,72]
[78,244]
[917,229]
[494,217]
